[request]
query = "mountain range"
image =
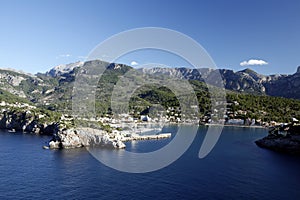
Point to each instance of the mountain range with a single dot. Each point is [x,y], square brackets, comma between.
[246,80]
[54,88]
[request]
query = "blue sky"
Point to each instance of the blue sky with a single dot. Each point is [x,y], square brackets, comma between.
[37,35]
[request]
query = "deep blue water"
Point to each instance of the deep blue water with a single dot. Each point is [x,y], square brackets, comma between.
[235,169]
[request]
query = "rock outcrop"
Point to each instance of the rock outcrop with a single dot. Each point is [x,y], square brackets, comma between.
[83,137]
[26,122]
[63,69]
[86,137]
[285,142]
[280,143]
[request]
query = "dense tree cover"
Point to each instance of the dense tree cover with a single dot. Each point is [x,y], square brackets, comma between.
[265,108]
[241,105]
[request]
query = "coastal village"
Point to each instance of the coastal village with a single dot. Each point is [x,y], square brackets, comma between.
[42,104]
[114,132]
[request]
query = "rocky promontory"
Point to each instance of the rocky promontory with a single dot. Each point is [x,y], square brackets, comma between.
[28,122]
[285,139]
[22,117]
[84,137]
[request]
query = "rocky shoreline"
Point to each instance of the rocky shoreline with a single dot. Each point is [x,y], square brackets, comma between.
[85,137]
[64,137]
[285,144]
[284,139]
[27,122]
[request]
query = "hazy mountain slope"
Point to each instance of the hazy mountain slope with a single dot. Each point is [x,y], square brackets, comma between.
[284,86]
[242,81]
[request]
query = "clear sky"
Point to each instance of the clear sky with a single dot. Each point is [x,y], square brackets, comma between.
[37,35]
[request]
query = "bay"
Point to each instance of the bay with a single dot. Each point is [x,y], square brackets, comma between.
[235,169]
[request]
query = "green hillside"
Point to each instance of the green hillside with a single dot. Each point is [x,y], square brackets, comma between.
[55,94]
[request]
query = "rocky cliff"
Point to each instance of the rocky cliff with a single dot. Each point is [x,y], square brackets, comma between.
[83,137]
[26,122]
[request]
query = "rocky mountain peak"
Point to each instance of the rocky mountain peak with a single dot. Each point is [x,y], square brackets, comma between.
[248,71]
[62,69]
[298,70]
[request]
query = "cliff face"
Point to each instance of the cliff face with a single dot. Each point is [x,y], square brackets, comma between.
[25,121]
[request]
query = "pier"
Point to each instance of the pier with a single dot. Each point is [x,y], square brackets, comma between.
[147,137]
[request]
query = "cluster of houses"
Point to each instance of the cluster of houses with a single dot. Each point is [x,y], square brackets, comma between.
[171,114]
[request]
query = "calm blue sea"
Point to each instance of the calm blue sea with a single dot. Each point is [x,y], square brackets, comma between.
[235,169]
